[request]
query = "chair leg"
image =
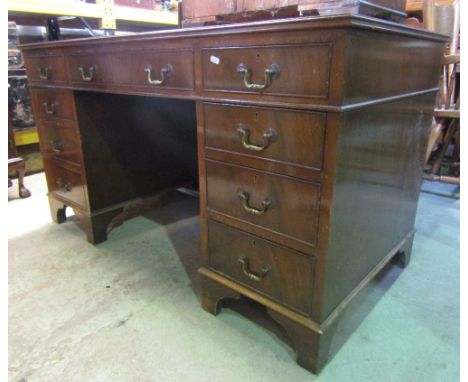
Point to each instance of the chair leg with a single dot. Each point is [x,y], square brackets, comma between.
[434,136]
[447,138]
[23,191]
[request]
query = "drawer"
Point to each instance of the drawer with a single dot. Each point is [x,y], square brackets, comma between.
[46,69]
[65,183]
[99,69]
[273,202]
[277,272]
[291,137]
[286,70]
[53,103]
[59,139]
[163,69]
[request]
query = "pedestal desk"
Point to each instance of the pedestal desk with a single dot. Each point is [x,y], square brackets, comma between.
[306,137]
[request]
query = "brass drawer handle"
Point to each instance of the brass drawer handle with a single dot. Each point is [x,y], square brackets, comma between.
[50,108]
[64,185]
[57,146]
[165,71]
[271,73]
[268,137]
[87,74]
[44,73]
[251,275]
[244,197]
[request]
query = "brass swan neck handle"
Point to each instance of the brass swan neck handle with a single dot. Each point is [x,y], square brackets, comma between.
[271,73]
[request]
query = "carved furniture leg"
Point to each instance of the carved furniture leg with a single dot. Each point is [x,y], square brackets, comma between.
[95,226]
[57,210]
[23,191]
[19,166]
[312,348]
[213,293]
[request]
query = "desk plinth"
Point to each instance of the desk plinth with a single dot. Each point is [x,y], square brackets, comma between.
[307,137]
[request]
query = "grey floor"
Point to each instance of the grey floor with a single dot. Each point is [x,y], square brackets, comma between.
[128,309]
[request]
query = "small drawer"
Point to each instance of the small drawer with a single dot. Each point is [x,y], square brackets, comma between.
[163,69]
[284,70]
[273,202]
[99,69]
[53,103]
[263,266]
[59,139]
[46,69]
[291,137]
[65,184]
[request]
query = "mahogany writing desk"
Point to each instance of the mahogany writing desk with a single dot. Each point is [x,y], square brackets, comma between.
[306,136]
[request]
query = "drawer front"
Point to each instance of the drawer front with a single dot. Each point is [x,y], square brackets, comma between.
[291,137]
[65,183]
[53,103]
[276,203]
[282,274]
[163,70]
[286,70]
[46,69]
[59,139]
[99,69]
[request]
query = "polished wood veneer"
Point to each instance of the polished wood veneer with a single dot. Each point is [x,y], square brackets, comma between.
[65,183]
[296,144]
[306,138]
[285,214]
[55,103]
[281,274]
[47,68]
[220,69]
[59,140]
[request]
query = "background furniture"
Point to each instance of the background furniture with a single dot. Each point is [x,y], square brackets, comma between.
[19,103]
[445,132]
[16,164]
[310,136]
[443,151]
[211,11]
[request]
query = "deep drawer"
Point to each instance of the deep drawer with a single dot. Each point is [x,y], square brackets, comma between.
[53,103]
[276,203]
[65,184]
[281,274]
[163,69]
[287,70]
[45,70]
[59,139]
[291,137]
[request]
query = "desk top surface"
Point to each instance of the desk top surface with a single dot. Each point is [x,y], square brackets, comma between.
[300,23]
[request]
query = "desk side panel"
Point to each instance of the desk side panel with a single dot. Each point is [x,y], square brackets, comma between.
[380,65]
[380,155]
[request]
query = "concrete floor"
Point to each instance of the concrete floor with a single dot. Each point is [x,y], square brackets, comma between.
[128,309]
